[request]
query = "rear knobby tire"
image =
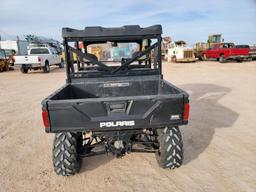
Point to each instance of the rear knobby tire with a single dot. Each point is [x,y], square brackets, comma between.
[65,156]
[170,153]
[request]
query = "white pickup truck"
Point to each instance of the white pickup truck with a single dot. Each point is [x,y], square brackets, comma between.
[39,58]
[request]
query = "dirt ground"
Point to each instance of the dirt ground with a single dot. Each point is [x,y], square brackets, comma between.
[219,142]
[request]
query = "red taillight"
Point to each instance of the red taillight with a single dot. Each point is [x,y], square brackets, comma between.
[186,112]
[39,59]
[46,119]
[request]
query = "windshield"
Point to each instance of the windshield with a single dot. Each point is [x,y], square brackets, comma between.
[39,51]
[2,54]
[8,52]
[216,39]
[228,45]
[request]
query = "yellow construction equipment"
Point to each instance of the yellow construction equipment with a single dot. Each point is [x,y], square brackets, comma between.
[5,61]
[213,40]
[96,50]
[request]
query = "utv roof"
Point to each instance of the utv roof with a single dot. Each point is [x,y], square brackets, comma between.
[127,32]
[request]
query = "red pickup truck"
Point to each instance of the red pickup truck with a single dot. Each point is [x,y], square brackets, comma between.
[226,51]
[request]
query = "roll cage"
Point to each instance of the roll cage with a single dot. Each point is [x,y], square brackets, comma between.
[126,34]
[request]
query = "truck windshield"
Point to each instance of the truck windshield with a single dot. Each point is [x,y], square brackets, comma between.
[2,54]
[8,52]
[39,51]
[216,39]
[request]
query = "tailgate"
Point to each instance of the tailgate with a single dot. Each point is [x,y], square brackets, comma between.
[116,113]
[27,59]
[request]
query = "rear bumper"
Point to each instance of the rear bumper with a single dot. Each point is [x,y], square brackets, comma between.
[98,129]
[30,66]
[238,57]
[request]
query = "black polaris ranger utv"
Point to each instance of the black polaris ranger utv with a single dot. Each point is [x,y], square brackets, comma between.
[115,105]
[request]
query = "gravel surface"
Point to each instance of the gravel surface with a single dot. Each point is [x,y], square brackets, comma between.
[219,142]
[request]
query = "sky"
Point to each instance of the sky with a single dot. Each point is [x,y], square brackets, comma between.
[188,20]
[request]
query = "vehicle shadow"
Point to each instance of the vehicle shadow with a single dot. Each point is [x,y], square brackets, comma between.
[53,69]
[206,115]
[90,163]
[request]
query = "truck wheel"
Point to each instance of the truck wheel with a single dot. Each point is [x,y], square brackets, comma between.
[204,58]
[239,60]
[46,67]
[65,157]
[170,153]
[222,59]
[61,64]
[23,70]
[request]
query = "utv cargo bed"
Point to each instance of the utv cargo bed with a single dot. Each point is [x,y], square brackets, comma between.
[147,101]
